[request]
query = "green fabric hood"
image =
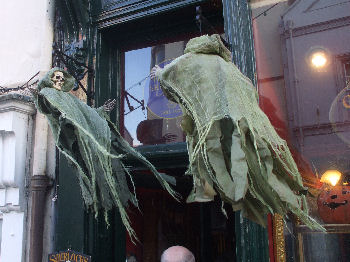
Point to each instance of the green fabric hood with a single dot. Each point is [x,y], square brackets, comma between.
[208,45]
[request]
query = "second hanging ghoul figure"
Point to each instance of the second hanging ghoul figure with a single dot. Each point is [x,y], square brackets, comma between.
[234,150]
[93,145]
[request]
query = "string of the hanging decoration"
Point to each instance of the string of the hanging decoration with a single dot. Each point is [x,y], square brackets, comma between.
[26,85]
[142,101]
[264,13]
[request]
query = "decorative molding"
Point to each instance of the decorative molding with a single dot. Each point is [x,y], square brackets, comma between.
[113,4]
[8,162]
[323,129]
[14,108]
[279,244]
[312,8]
[17,103]
[10,208]
[123,11]
[16,125]
[318,27]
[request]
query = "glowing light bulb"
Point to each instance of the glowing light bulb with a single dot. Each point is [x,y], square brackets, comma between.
[319,59]
[331,177]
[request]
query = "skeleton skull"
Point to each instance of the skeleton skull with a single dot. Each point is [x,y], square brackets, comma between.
[58,80]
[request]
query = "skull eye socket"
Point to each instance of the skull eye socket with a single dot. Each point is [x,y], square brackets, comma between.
[58,77]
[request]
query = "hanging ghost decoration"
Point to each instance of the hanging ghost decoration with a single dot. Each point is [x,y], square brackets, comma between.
[92,142]
[234,151]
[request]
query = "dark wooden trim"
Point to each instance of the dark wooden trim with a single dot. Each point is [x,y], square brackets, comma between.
[69,224]
[124,11]
[270,79]
[270,237]
[162,156]
[136,4]
[122,93]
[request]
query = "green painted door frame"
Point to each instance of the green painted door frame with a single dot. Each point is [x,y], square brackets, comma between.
[251,239]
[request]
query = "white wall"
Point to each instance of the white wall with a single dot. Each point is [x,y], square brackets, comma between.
[12,232]
[24,27]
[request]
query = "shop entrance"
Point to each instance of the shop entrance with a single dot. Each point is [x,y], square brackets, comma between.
[164,222]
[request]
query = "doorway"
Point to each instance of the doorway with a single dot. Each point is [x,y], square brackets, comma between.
[163,222]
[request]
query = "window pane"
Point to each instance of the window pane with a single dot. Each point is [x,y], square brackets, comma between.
[149,117]
[303,88]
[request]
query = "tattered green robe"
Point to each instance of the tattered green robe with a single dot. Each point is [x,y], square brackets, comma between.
[93,144]
[233,148]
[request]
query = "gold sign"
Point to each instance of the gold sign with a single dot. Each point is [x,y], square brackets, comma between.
[68,256]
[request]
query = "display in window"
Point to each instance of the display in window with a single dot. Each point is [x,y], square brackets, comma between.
[158,121]
[333,200]
[339,115]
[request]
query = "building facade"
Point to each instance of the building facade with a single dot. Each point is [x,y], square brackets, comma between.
[110,47]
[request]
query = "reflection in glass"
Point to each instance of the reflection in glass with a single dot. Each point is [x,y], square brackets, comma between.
[158,122]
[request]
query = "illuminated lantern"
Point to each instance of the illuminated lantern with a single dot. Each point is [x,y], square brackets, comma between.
[334,200]
[318,58]
[331,177]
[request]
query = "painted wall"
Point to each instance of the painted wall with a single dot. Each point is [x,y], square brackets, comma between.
[269,63]
[24,28]
[309,12]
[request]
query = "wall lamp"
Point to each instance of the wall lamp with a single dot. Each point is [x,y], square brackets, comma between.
[318,58]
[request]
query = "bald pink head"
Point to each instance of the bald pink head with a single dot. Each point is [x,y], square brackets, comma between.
[177,254]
